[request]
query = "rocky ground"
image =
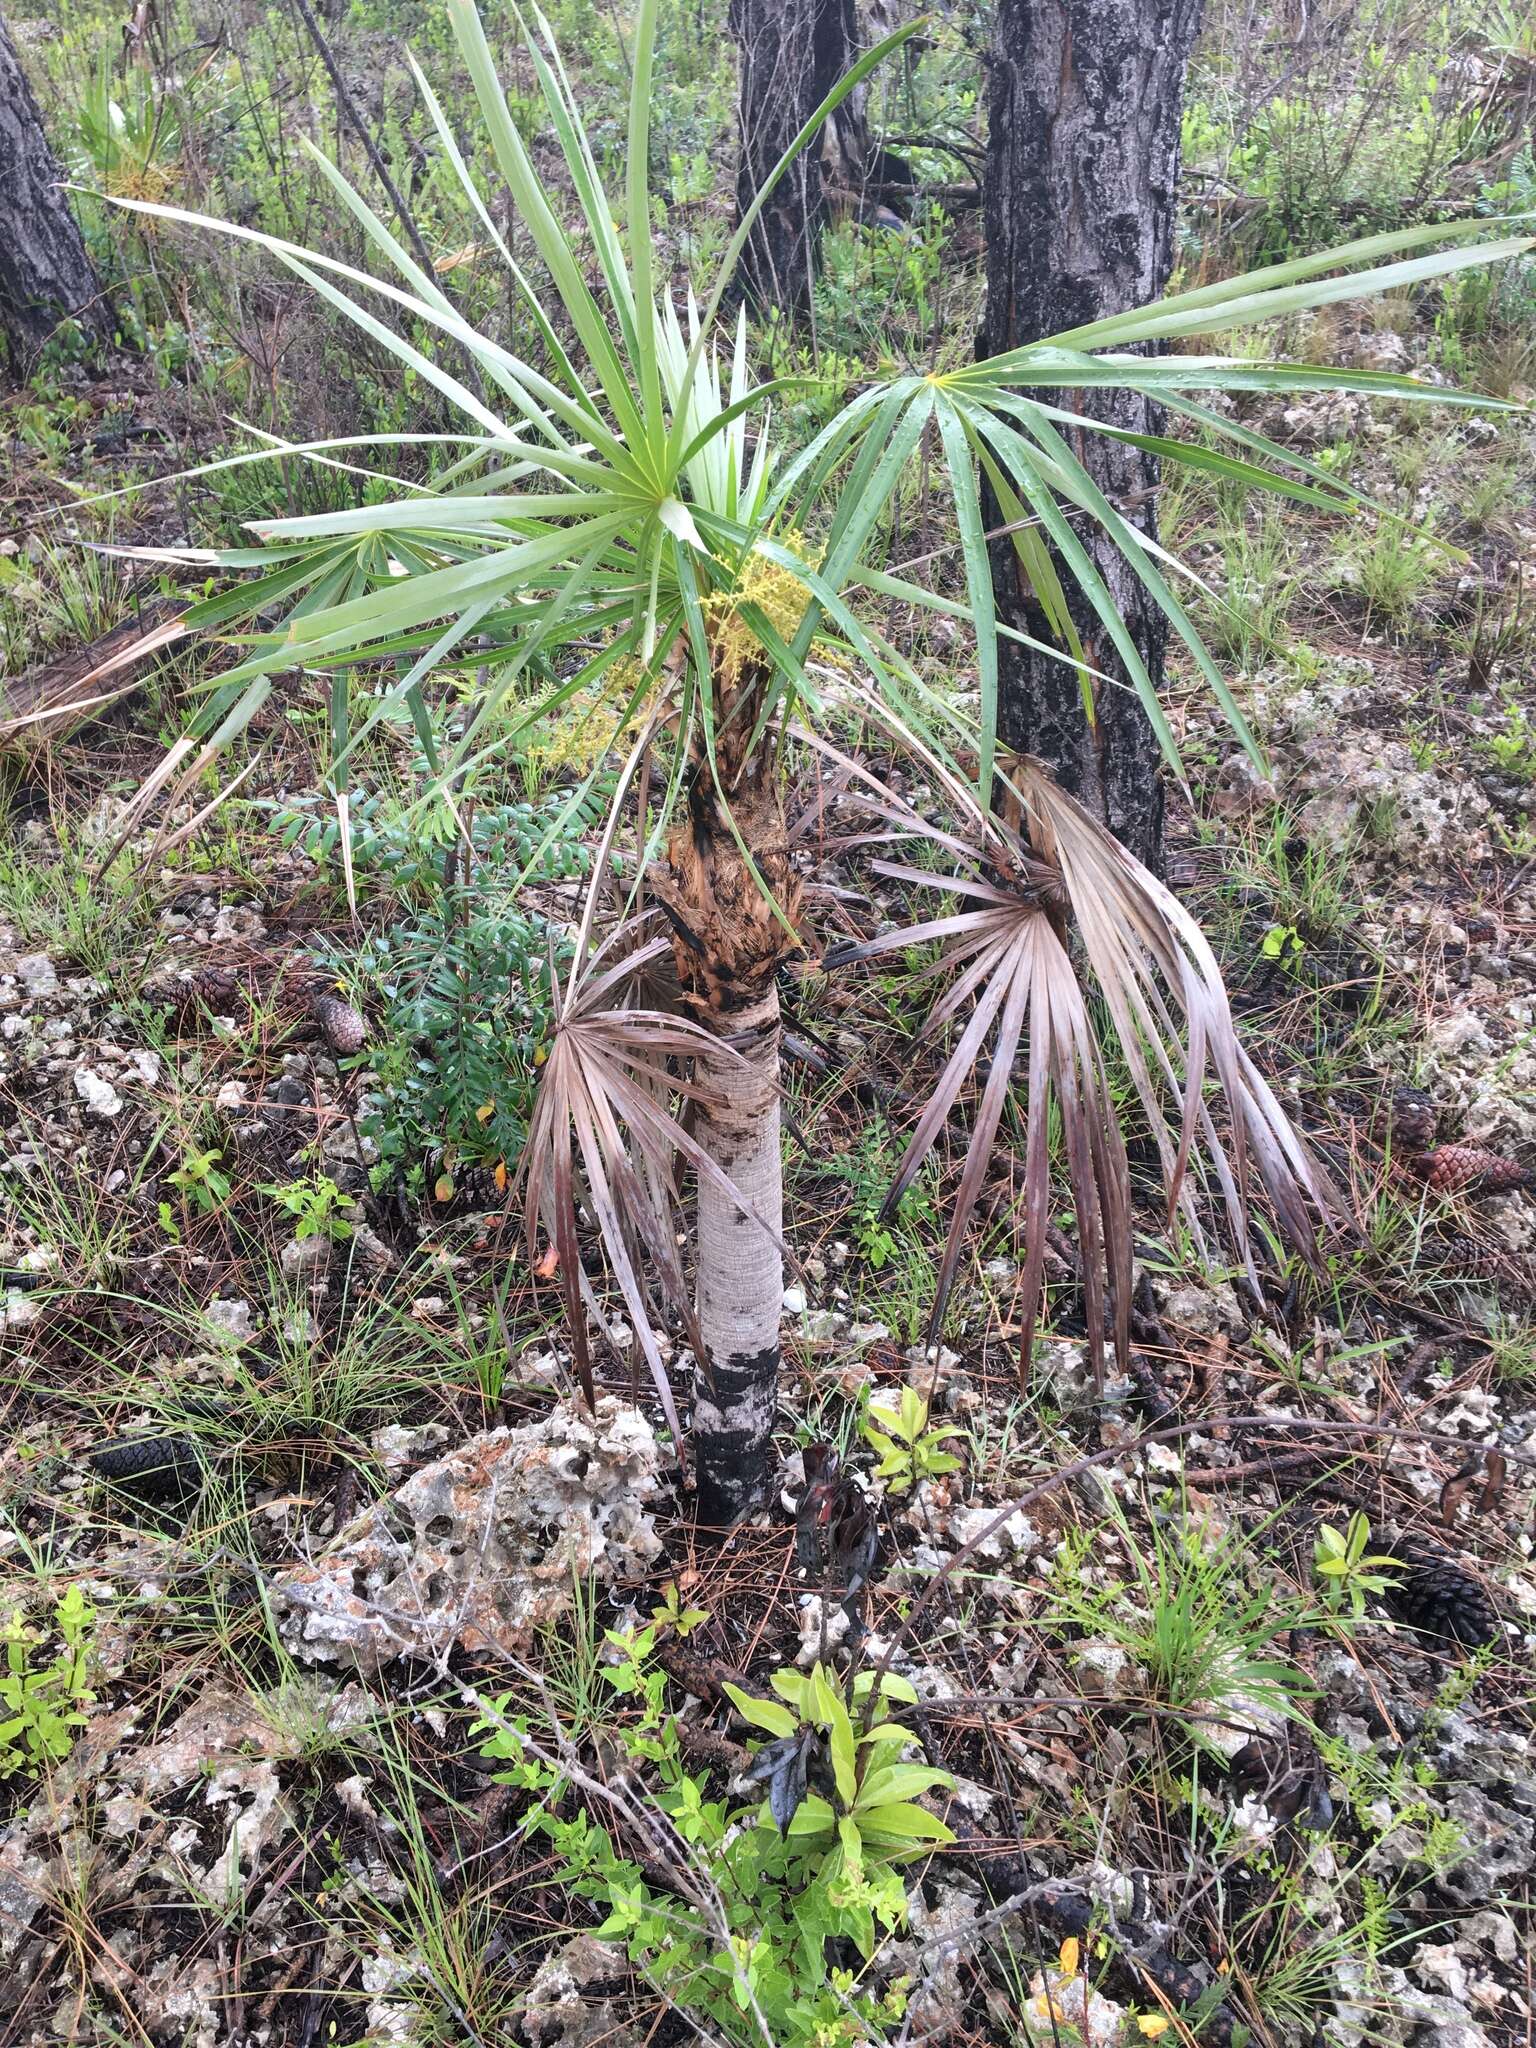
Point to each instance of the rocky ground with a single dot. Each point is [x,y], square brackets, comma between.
[324,1490]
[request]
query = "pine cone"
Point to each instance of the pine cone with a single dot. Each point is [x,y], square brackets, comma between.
[1412,1120]
[1470,1170]
[215,987]
[1437,1598]
[1463,1258]
[345,1028]
[161,1468]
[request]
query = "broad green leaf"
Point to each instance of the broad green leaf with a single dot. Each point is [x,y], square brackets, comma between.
[765,1714]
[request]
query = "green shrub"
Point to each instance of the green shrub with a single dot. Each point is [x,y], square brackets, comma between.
[459,988]
[816,1875]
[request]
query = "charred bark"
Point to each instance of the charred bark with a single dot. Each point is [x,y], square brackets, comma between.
[741,1273]
[1084,108]
[793,52]
[732,928]
[45,274]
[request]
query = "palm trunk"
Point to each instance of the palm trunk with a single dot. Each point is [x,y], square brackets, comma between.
[729,940]
[740,1272]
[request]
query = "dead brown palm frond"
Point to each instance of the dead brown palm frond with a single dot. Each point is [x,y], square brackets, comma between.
[1006,944]
[603,1137]
[1015,974]
[1143,947]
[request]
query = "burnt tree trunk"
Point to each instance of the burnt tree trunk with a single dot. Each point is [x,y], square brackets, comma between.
[793,52]
[1084,107]
[732,928]
[45,273]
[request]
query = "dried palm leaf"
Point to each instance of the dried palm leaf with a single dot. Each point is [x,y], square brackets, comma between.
[603,1136]
[1005,942]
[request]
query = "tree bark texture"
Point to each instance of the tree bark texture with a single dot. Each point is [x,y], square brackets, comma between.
[740,1271]
[792,54]
[1084,107]
[45,273]
[729,940]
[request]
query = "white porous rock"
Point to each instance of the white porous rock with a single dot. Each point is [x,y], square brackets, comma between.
[560,2009]
[231,1318]
[399,1446]
[1015,1537]
[1441,1967]
[1108,1671]
[1062,1364]
[97,1093]
[238,921]
[823,1626]
[23,1888]
[35,972]
[480,1548]
[304,1258]
[1058,2003]
[393,2022]
[1209,1310]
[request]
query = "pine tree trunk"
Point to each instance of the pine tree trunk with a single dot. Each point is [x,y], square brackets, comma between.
[45,273]
[740,1271]
[792,54]
[1084,109]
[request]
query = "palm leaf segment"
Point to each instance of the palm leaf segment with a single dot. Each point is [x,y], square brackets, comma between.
[596,514]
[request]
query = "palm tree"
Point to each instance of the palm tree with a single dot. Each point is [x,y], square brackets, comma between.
[622,512]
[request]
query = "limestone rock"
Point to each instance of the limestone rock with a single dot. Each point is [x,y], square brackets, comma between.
[479,1548]
[97,1093]
[563,2008]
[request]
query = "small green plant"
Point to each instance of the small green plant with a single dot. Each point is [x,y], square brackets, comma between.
[41,1705]
[1186,1612]
[316,1206]
[867,1822]
[1260,581]
[1346,1574]
[1513,747]
[201,1182]
[1282,944]
[129,141]
[669,1612]
[819,1870]
[1392,566]
[459,982]
[910,1449]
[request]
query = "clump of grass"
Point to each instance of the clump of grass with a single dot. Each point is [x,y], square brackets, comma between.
[1489,497]
[1393,566]
[1260,578]
[1187,1611]
[87,917]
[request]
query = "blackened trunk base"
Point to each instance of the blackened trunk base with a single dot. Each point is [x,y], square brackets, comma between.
[735,1464]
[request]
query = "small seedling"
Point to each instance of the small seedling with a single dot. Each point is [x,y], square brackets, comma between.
[872,1817]
[43,1705]
[1283,945]
[201,1181]
[670,1612]
[315,1205]
[910,1449]
[1346,1573]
